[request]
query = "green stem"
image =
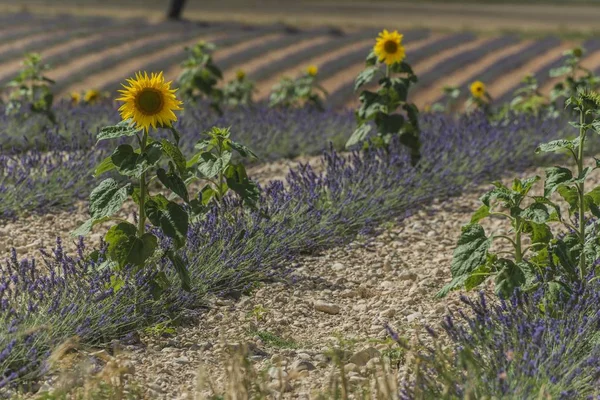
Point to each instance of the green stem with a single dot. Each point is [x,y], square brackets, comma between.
[142,217]
[518,251]
[581,193]
[220,180]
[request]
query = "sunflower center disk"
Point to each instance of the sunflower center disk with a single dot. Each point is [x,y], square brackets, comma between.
[390,47]
[150,102]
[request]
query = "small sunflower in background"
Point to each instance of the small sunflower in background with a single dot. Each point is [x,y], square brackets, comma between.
[312,70]
[478,89]
[149,101]
[75,97]
[240,74]
[91,96]
[388,48]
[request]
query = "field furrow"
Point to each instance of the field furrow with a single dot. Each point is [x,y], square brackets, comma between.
[170,58]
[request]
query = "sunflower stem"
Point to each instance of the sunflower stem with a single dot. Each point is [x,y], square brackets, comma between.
[142,219]
[581,193]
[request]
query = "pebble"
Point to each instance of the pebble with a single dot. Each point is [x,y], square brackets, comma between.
[328,308]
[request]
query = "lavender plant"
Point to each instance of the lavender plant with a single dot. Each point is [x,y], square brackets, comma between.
[148,102]
[30,89]
[302,91]
[380,107]
[556,261]
[509,350]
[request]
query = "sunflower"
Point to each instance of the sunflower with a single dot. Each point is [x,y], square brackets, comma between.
[91,96]
[75,97]
[240,74]
[478,89]
[389,47]
[149,101]
[312,70]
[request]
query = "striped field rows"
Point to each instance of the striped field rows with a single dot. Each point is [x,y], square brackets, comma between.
[99,52]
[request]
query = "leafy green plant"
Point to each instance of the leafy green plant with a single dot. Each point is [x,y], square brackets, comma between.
[200,75]
[553,260]
[303,90]
[238,91]
[31,89]
[214,164]
[148,101]
[451,96]
[571,82]
[528,99]
[381,107]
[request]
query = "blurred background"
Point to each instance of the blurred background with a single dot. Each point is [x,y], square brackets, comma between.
[91,44]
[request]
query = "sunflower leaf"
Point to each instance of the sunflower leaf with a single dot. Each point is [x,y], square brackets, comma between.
[124,128]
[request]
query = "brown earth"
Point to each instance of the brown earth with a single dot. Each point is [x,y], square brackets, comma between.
[508,81]
[426,96]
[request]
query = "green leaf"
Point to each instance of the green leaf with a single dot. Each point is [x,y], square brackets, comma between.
[207,193]
[389,123]
[173,152]
[209,164]
[129,162]
[371,105]
[107,198]
[563,250]
[238,181]
[569,194]
[536,212]
[181,269]
[358,135]
[540,233]
[87,226]
[125,248]
[549,203]
[481,213]
[366,76]
[470,253]
[555,145]
[242,150]
[524,186]
[477,277]
[555,178]
[112,132]
[104,166]
[508,278]
[508,198]
[170,217]
[173,182]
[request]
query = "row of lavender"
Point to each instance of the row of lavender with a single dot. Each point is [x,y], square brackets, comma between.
[65,154]
[44,304]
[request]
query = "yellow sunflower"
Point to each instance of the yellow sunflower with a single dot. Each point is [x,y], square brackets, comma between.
[389,47]
[240,75]
[478,89]
[149,101]
[312,70]
[75,97]
[91,96]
